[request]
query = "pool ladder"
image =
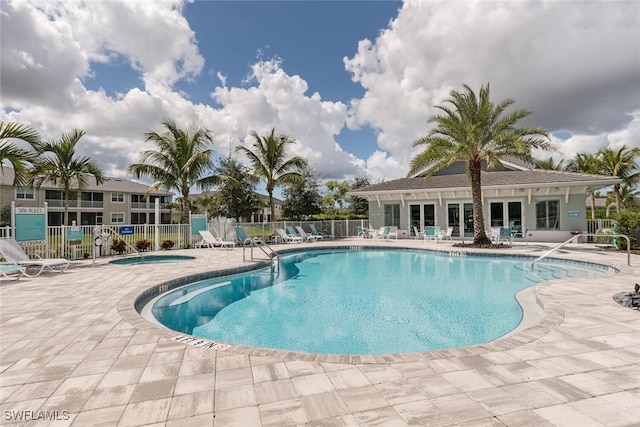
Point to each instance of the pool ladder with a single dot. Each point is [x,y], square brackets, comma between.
[262,245]
[100,230]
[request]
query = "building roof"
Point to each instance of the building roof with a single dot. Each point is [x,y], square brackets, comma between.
[522,178]
[111,184]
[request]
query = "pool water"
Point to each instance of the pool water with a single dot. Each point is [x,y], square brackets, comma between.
[370,301]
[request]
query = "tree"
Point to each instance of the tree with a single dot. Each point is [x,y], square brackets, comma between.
[549,164]
[334,202]
[303,199]
[180,161]
[475,130]
[15,155]
[270,162]
[586,163]
[359,205]
[58,164]
[237,196]
[622,163]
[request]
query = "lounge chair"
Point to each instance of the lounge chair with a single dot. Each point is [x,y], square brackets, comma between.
[393,232]
[242,238]
[314,231]
[382,233]
[305,236]
[293,233]
[363,232]
[210,241]
[432,233]
[287,238]
[15,269]
[13,253]
[505,234]
[417,233]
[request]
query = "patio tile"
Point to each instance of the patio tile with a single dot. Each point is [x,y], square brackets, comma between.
[195,383]
[159,372]
[234,377]
[324,405]
[461,408]
[525,419]
[239,417]
[363,398]
[348,378]
[273,391]
[605,412]
[422,413]
[121,377]
[282,413]
[153,390]
[313,384]
[566,415]
[235,397]
[147,412]
[204,420]
[270,372]
[109,416]
[106,397]
[79,384]
[191,405]
[35,390]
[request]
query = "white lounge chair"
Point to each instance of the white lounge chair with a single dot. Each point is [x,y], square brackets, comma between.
[417,233]
[393,232]
[448,234]
[210,241]
[12,269]
[287,238]
[432,233]
[305,236]
[12,252]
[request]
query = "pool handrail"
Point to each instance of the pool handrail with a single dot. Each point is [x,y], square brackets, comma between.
[99,229]
[555,248]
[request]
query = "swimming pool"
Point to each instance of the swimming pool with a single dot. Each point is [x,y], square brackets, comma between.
[366,301]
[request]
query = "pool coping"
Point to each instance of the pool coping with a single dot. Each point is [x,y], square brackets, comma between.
[527,331]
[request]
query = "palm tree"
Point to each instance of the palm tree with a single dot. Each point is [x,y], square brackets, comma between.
[181,161]
[549,164]
[622,163]
[15,155]
[586,163]
[57,163]
[475,130]
[270,162]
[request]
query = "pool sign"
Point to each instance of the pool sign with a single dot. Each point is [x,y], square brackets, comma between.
[126,229]
[574,214]
[30,225]
[198,222]
[74,235]
[199,342]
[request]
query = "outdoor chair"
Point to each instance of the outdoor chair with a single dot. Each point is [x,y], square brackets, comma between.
[432,233]
[505,234]
[12,252]
[448,234]
[305,236]
[382,233]
[12,269]
[293,233]
[314,231]
[286,237]
[393,232]
[417,233]
[242,238]
[210,241]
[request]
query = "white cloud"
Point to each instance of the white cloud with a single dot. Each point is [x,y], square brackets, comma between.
[576,65]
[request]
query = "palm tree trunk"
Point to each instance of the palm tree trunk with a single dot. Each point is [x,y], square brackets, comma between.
[272,206]
[479,235]
[616,188]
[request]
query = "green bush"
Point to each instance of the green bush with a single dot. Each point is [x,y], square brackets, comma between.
[167,244]
[628,224]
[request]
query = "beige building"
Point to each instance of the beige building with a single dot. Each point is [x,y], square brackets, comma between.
[117,201]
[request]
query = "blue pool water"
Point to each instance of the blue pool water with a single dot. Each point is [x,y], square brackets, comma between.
[370,301]
[151,259]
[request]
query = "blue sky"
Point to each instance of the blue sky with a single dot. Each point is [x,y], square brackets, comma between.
[354,82]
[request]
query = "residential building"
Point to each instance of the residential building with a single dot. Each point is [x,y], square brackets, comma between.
[549,203]
[117,201]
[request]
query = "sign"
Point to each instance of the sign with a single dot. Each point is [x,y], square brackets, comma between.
[573,214]
[126,229]
[198,223]
[74,235]
[30,225]
[375,216]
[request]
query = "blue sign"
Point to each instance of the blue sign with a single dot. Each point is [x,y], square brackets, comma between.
[30,225]
[126,229]
[74,235]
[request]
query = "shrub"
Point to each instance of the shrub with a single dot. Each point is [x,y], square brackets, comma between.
[628,223]
[167,244]
[119,246]
[86,255]
[143,245]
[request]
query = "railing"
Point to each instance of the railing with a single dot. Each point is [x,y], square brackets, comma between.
[613,236]
[261,245]
[110,231]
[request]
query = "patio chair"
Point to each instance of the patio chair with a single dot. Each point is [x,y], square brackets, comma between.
[382,233]
[286,237]
[210,241]
[432,233]
[13,253]
[417,233]
[494,233]
[242,238]
[293,233]
[448,234]
[314,231]
[12,269]
[524,235]
[304,235]
[505,234]
[393,232]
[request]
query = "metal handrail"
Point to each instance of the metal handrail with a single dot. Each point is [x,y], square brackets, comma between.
[261,246]
[100,228]
[587,235]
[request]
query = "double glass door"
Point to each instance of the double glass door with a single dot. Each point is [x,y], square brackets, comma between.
[421,216]
[506,214]
[462,224]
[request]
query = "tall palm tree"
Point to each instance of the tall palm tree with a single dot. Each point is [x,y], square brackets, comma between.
[622,163]
[58,164]
[586,163]
[475,130]
[181,160]
[15,155]
[271,163]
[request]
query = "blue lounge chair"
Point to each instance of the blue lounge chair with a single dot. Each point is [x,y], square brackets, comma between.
[241,235]
[314,231]
[432,233]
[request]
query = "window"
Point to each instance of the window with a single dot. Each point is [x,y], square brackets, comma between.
[117,218]
[547,214]
[392,215]
[138,218]
[24,193]
[117,197]
[53,195]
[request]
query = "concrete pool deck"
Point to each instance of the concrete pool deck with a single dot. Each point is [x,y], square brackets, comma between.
[73,351]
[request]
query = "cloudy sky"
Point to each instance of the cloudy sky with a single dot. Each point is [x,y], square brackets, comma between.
[354,82]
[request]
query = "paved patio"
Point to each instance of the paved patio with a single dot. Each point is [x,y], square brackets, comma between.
[73,348]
